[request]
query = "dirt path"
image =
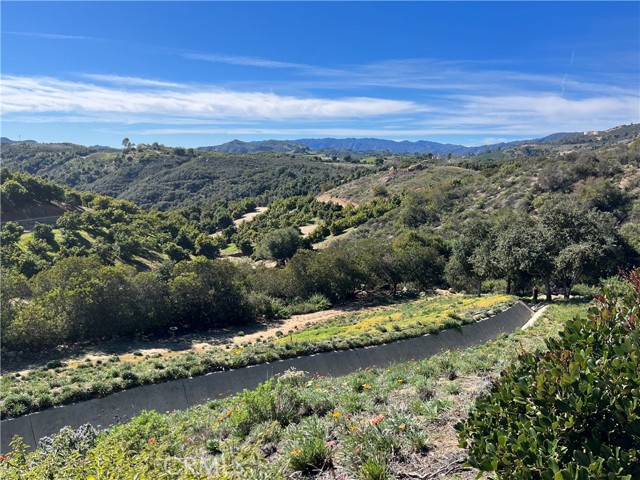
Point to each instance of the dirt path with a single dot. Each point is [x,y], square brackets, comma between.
[247,217]
[291,324]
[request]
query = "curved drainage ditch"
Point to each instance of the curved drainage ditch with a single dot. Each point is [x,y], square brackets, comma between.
[182,393]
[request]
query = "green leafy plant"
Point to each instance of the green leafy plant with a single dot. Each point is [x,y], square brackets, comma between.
[309,449]
[572,412]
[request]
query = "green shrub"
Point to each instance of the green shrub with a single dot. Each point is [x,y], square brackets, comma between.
[369,449]
[309,450]
[572,412]
[272,400]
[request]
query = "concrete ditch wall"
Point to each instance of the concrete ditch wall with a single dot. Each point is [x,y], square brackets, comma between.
[180,394]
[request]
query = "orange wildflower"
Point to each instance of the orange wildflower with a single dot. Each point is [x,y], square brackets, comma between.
[376,420]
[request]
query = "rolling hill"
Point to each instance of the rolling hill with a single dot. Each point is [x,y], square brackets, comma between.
[164,177]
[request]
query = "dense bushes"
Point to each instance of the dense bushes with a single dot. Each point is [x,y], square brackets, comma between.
[562,243]
[341,270]
[79,298]
[18,189]
[572,412]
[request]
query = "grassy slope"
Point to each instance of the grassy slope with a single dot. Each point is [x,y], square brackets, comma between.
[397,181]
[379,423]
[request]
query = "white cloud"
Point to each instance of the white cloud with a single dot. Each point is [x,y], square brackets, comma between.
[45,94]
[553,110]
[166,108]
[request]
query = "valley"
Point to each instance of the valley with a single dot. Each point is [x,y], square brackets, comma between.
[323,257]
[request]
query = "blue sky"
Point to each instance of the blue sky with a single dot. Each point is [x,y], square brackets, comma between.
[202,73]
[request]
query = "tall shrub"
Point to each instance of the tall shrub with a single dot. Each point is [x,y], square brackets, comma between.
[572,412]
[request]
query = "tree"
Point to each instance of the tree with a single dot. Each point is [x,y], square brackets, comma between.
[421,260]
[207,293]
[70,301]
[151,297]
[415,211]
[471,261]
[206,246]
[12,194]
[585,243]
[13,295]
[176,252]
[378,262]
[69,221]
[104,251]
[10,233]
[74,199]
[524,248]
[337,271]
[42,231]
[279,245]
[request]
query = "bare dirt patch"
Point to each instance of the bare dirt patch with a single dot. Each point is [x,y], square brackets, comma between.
[247,217]
[307,229]
[326,198]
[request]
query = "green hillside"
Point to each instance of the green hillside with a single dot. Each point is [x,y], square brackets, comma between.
[432,196]
[154,176]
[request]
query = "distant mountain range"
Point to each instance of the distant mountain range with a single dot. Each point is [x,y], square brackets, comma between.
[303,145]
[8,141]
[343,145]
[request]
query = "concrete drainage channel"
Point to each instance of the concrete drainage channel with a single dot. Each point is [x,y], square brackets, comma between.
[180,394]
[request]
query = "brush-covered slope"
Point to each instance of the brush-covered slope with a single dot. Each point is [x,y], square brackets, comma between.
[163,177]
[113,231]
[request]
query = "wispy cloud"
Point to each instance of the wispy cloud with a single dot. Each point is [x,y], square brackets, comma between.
[55,36]
[130,81]
[242,60]
[170,108]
